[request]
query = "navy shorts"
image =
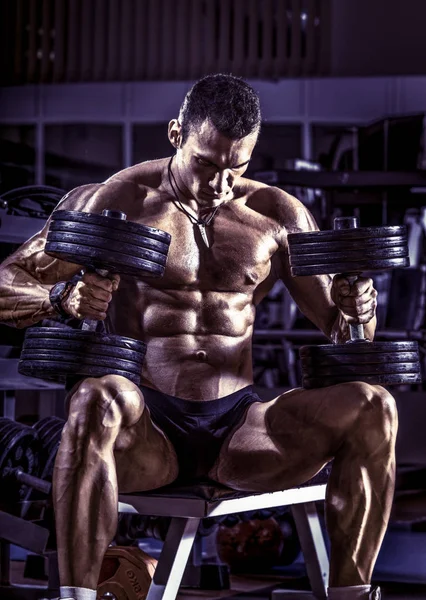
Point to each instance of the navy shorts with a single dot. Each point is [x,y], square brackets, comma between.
[197,429]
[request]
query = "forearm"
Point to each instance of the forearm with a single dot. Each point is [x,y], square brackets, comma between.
[24,301]
[340,332]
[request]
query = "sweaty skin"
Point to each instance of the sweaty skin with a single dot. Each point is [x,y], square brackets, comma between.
[198,322]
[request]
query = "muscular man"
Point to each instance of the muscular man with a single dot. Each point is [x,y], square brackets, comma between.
[196,414]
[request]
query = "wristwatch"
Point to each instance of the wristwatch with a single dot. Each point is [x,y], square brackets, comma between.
[58,293]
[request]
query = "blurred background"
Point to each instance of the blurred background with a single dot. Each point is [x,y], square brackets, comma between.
[87,88]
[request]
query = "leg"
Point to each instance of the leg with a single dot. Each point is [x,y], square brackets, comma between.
[283,443]
[108,443]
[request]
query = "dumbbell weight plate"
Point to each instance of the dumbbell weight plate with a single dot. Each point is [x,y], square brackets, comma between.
[68,360]
[112,223]
[40,345]
[323,350]
[350,266]
[358,254]
[81,358]
[85,337]
[361,369]
[98,258]
[345,235]
[49,431]
[109,234]
[101,244]
[383,363]
[348,246]
[386,380]
[19,447]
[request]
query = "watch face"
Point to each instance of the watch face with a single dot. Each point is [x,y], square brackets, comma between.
[57,291]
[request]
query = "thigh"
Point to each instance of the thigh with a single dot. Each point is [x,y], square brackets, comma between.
[112,411]
[284,442]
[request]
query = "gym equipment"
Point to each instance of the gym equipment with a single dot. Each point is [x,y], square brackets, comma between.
[27,456]
[350,249]
[19,462]
[126,574]
[106,243]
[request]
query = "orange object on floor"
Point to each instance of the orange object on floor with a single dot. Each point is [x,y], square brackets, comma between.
[126,573]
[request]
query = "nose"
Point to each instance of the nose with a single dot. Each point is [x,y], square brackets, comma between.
[221,182]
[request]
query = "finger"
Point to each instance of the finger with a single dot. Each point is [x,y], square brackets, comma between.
[96,293]
[356,302]
[95,280]
[115,278]
[361,286]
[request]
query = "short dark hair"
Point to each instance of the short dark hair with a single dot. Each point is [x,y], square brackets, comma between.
[227,101]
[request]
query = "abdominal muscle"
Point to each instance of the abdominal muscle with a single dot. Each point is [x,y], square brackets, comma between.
[198,343]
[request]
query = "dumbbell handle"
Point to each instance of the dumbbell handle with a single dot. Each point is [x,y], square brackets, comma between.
[91,324]
[356,330]
[35,482]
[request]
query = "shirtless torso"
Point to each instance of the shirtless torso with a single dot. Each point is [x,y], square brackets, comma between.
[197,319]
[198,322]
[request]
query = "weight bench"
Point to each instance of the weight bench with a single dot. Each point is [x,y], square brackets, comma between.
[188,505]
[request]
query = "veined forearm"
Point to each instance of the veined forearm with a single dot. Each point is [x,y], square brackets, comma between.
[340,332]
[23,300]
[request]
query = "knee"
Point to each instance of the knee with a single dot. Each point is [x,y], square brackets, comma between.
[102,406]
[377,416]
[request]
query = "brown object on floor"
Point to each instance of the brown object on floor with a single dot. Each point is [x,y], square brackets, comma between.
[126,572]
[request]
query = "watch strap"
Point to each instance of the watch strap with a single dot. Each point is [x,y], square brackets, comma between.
[58,294]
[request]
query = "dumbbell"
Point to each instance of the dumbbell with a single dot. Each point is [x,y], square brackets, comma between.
[27,456]
[350,249]
[106,243]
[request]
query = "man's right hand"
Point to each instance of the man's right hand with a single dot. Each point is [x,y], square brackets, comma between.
[91,296]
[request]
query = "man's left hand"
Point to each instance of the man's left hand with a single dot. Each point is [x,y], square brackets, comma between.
[357,301]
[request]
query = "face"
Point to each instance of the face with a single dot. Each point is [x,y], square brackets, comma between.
[208,163]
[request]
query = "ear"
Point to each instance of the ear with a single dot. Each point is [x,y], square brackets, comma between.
[175,133]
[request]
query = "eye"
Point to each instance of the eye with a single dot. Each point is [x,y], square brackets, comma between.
[203,163]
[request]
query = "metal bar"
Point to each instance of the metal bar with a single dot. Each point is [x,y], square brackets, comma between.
[154,40]
[182,46]
[139,32]
[253,39]
[113,40]
[45,45]
[100,40]
[168,34]
[224,35]
[7,403]
[23,533]
[32,43]
[73,33]
[147,503]
[313,546]
[126,40]
[210,58]
[195,35]
[281,61]
[295,62]
[59,41]
[238,33]
[309,67]
[86,40]
[325,34]
[19,41]
[266,66]
[173,559]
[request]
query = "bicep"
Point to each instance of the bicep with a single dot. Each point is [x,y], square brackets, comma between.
[311,294]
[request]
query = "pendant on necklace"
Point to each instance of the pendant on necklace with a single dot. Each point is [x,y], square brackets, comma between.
[202,229]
